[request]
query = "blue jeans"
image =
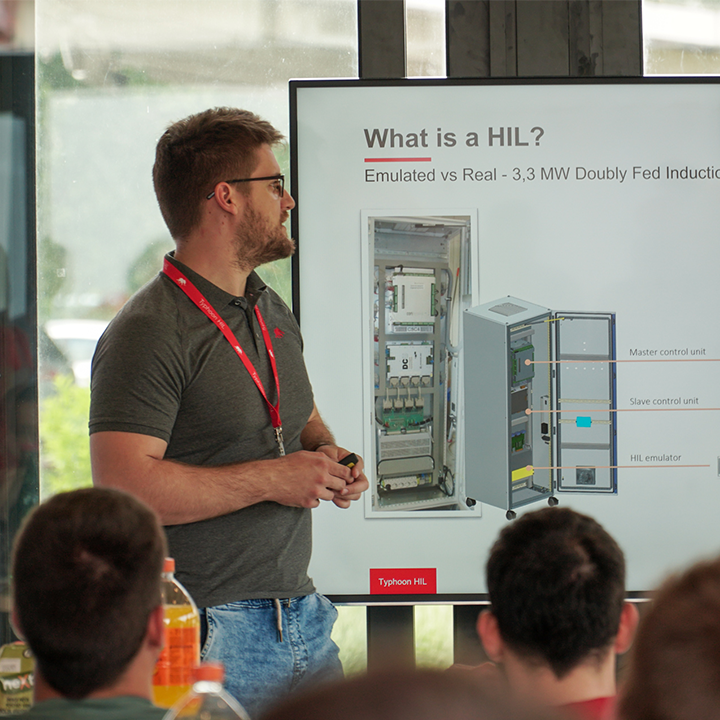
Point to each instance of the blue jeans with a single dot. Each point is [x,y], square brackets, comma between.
[259,668]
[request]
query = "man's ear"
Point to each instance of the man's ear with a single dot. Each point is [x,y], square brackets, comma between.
[626,630]
[227,198]
[156,628]
[489,633]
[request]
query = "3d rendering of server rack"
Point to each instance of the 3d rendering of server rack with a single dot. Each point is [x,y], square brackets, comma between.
[540,403]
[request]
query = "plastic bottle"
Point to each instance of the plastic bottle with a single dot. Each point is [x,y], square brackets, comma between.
[176,666]
[207,700]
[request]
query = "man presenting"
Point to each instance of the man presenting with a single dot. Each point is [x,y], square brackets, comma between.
[202,407]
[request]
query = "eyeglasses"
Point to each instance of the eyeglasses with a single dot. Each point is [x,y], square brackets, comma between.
[278,186]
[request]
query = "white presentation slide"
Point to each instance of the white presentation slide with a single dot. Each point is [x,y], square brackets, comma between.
[509,297]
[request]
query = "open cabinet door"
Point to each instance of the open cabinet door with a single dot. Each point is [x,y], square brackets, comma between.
[585,402]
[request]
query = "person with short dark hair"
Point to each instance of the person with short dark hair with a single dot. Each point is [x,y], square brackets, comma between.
[558,616]
[202,406]
[87,600]
[674,668]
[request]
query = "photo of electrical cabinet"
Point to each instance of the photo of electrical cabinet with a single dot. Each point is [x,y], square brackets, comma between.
[420,280]
[540,401]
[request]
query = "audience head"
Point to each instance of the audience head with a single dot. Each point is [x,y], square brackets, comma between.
[674,669]
[401,695]
[556,581]
[86,580]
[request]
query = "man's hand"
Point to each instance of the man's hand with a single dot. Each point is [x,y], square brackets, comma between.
[182,493]
[357,484]
[303,479]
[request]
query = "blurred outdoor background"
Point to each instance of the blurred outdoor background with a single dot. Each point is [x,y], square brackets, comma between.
[110,77]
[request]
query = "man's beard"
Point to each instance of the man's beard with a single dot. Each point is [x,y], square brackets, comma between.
[256,243]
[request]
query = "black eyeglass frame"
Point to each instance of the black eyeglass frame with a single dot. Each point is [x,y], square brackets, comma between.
[281,178]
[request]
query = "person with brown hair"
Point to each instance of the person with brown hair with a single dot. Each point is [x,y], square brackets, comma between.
[674,668]
[201,405]
[403,694]
[558,615]
[87,599]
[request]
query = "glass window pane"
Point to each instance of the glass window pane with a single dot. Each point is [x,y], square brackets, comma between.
[111,76]
[425,37]
[681,37]
[18,337]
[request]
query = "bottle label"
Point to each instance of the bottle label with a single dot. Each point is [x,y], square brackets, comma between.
[17,678]
[179,657]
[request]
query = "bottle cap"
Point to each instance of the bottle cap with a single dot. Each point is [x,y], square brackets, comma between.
[211,672]
[169,565]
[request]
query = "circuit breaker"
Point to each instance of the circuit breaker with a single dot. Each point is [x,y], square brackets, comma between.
[540,401]
[420,284]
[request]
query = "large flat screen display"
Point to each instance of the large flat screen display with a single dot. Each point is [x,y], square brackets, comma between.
[509,298]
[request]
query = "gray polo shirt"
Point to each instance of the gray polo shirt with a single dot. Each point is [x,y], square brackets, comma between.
[163,369]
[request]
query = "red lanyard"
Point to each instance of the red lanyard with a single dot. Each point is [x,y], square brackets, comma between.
[197,297]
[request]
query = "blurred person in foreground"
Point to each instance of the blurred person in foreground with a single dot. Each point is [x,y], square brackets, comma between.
[403,694]
[87,600]
[674,670]
[558,616]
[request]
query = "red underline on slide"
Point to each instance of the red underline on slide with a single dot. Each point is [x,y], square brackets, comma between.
[405,159]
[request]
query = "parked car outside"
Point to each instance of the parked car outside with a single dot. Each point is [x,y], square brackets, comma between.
[77,339]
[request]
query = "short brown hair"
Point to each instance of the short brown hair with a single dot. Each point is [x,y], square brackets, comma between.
[674,669]
[556,581]
[87,571]
[196,153]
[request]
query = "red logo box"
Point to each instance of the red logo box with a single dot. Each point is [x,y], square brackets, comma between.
[403,581]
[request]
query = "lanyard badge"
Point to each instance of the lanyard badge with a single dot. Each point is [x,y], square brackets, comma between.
[197,297]
[279,440]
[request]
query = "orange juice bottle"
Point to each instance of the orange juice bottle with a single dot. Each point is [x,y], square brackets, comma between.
[175,669]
